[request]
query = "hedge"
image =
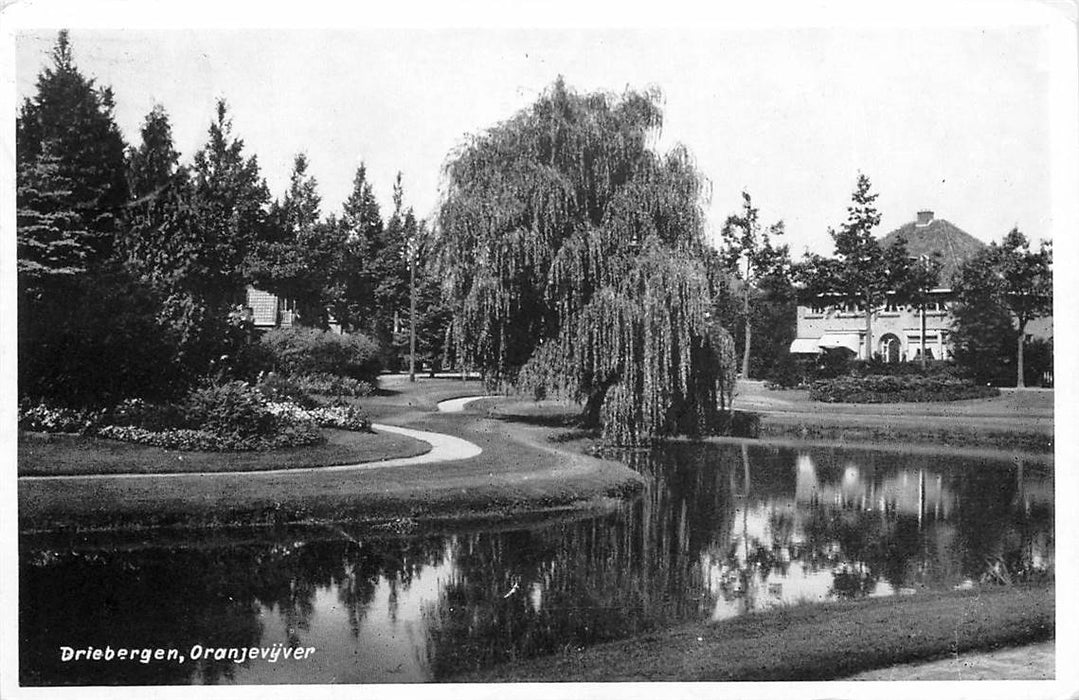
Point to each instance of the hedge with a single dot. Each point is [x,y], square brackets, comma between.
[309,351]
[897,389]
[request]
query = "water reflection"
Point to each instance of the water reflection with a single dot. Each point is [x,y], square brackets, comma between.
[719,531]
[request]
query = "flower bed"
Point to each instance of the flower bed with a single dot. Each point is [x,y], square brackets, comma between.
[206,441]
[228,417]
[897,389]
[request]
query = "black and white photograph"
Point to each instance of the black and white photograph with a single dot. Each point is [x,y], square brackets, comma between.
[541,350]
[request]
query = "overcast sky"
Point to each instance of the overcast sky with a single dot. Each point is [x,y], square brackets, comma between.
[949,118]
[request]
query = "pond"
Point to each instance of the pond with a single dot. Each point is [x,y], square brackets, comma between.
[720,530]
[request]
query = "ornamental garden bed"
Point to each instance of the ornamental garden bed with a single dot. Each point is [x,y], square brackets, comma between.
[897,389]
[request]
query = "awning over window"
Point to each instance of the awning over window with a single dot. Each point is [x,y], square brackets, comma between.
[840,340]
[805,345]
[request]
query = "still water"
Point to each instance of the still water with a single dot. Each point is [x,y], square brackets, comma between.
[721,530]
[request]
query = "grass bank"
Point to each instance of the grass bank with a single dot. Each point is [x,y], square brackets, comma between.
[880,430]
[1017,420]
[520,472]
[811,642]
[43,454]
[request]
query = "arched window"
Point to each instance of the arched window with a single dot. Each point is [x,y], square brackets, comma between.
[890,348]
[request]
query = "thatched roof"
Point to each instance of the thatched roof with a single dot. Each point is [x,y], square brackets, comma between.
[941,236]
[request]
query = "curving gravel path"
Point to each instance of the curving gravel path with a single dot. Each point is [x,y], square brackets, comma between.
[458,405]
[444,448]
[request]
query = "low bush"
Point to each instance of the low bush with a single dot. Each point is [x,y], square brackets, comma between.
[232,408]
[142,414]
[41,417]
[787,373]
[933,368]
[277,388]
[897,389]
[298,351]
[332,385]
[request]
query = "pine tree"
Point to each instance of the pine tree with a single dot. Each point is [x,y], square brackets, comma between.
[391,272]
[154,163]
[303,260]
[52,241]
[230,202]
[361,228]
[68,125]
[862,273]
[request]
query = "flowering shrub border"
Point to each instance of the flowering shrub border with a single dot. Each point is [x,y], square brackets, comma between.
[43,418]
[206,441]
[280,424]
[343,417]
[332,385]
[897,389]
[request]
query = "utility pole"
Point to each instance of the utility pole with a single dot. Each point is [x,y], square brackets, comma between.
[412,310]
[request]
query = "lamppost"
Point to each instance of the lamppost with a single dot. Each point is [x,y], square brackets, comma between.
[412,309]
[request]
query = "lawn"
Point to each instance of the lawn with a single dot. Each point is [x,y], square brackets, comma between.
[810,642]
[42,454]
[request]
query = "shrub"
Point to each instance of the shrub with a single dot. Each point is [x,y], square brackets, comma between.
[861,368]
[142,414]
[331,385]
[277,388]
[230,408]
[1038,362]
[787,373]
[298,351]
[896,389]
[93,339]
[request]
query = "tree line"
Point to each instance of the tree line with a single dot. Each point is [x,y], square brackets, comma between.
[133,266]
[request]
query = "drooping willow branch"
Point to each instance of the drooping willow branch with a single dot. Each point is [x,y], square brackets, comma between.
[572,254]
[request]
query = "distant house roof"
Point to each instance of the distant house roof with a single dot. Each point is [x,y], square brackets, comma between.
[928,235]
[263,307]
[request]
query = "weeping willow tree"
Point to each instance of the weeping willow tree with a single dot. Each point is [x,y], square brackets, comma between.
[574,258]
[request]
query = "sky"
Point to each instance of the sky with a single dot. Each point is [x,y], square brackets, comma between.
[950,118]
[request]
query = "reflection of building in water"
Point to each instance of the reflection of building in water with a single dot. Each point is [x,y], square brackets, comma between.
[910,491]
[868,531]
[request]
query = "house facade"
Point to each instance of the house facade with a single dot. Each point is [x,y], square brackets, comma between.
[898,333]
[267,311]
[897,329]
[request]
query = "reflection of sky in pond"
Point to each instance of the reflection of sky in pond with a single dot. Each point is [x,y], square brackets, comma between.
[720,530]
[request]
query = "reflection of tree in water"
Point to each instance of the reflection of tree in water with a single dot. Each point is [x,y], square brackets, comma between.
[130,599]
[367,563]
[178,597]
[527,593]
[715,524]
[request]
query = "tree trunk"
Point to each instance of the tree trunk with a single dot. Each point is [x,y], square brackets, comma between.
[590,416]
[923,337]
[412,318]
[1019,357]
[749,336]
[868,328]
